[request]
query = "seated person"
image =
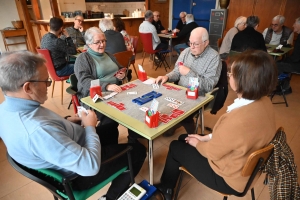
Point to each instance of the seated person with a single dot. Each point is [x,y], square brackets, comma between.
[96,63]
[44,139]
[59,49]
[184,34]
[216,159]
[291,63]
[119,26]
[199,61]
[249,38]
[115,42]
[181,23]
[277,33]
[239,25]
[157,23]
[76,32]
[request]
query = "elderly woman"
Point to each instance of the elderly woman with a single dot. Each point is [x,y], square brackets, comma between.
[115,40]
[216,160]
[239,25]
[96,63]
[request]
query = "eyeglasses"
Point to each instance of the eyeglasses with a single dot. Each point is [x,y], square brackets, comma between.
[229,74]
[79,20]
[48,82]
[195,44]
[274,25]
[100,42]
[182,17]
[156,15]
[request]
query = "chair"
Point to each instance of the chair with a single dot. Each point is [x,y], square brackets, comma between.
[146,39]
[72,90]
[134,40]
[124,59]
[60,186]
[282,79]
[52,72]
[251,169]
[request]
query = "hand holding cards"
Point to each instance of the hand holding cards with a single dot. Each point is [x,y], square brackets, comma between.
[120,72]
[81,109]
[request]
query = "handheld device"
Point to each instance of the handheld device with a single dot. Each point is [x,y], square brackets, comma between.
[135,192]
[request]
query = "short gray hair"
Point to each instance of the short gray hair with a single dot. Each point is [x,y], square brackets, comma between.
[89,34]
[239,20]
[189,18]
[252,21]
[148,14]
[182,13]
[106,24]
[18,67]
[280,18]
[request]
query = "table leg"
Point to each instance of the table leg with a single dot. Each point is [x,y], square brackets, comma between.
[200,115]
[150,157]
[171,53]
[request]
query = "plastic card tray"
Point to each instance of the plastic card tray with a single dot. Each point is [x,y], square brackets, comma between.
[146,98]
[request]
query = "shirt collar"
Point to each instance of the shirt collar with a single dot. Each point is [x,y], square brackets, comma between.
[238,102]
[18,104]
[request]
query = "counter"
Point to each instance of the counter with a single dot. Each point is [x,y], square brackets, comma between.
[131,23]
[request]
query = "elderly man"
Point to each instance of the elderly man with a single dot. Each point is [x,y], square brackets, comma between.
[199,61]
[181,23]
[157,23]
[277,33]
[76,32]
[44,139]
[291,63]
[59,48]
[249,38]
[184,34]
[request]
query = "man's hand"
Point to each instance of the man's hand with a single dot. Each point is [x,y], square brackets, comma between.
[164,31]
[65,33]
[175,30]
[161,79]
[75,119]
[89,119]
[80,28]
[183,70]
[113,88]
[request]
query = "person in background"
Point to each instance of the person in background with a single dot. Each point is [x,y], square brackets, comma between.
[184,34]
[249,38]
[76,32]
[216,159]
[44,139]
[239,25]
[120,27]
[59,48]
[157,23]
[181,23]
[277,33]
[199,61]
[115,41]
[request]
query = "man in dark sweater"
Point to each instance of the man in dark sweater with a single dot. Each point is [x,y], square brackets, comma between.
[184,34]
[157,23]
[249,38]
[181,23]
[59,48]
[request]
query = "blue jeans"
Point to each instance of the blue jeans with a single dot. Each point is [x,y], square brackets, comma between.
[180,46]
[67,70]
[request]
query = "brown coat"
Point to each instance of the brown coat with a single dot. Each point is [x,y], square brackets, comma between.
[235,136]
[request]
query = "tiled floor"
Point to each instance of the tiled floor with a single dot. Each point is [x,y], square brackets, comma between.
[14,186]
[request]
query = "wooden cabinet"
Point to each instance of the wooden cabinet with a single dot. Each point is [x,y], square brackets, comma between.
[6,34]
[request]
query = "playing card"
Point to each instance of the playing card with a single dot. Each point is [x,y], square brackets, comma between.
[155,86]
[122,70]
[134,92]
[173,105]
[81,109]
[144,109]
[177,111]
[174,115]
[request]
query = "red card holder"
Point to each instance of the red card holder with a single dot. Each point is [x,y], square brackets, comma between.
[152,121]
[95,90]
[192,94]
[142,76]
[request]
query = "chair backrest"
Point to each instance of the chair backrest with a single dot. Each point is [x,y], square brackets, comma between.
[134,40]
[49,64]
[124,58]
[73,82]
[146,39]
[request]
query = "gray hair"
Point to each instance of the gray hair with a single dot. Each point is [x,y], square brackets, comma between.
[89,34]
[148,14]
[189,18]
[280,18]
[239,20]
[205,35]
[252,21]
[106,24]
[184,13]
[18,67]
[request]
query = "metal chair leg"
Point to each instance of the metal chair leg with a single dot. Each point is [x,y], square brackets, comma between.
[252,194]
[70,104]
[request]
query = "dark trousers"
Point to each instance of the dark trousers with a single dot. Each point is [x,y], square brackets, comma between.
[288,67]
[121,183]
[182,154]
[107,130]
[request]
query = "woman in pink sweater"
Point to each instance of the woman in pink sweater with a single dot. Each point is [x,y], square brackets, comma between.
[216,160]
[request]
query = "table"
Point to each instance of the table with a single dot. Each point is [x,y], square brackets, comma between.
[170,37]
[270,49]
[133,117]
[13,33]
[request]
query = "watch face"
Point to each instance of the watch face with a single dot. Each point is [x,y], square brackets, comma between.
[135,191]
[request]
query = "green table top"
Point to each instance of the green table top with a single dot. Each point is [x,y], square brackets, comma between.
[133,117]
[270,49]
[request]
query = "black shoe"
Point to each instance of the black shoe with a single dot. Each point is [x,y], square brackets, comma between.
[167,192]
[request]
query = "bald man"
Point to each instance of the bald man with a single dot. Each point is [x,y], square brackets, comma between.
[199,61]
[157,23]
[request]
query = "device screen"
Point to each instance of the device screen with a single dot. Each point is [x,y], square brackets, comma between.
[135,191]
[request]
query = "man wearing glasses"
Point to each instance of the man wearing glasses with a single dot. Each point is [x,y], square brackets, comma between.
[198,61]
[76,32]
[157,23]
[181,23]
[277,33]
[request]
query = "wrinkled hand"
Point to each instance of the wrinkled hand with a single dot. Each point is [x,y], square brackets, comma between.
[164,31]
[120,75]
[113,88]
[176,30]
[89,119]
[161,79]
[183,70]
[80,28]
[194,139]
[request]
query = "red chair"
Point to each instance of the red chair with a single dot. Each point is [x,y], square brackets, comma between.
[134,40]
[52,72]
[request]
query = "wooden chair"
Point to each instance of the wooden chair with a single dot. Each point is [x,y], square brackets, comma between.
[52,72]
[251,169]
[134,40]
[124,59]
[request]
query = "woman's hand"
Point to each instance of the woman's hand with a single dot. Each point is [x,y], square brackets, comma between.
[113,88]
[193,139]
[120,75]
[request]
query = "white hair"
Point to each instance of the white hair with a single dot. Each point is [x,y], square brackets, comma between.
[239,20]
[106,24]
[189,18]
[280,18]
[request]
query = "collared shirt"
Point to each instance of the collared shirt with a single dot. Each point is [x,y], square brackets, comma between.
[147,27]
[206,67]
[238,102]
